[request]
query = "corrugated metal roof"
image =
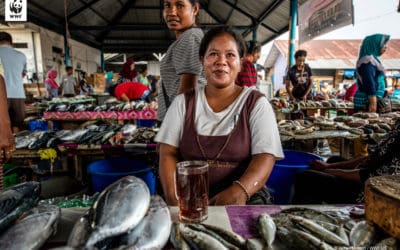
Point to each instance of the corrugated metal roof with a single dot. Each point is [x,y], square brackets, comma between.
[138,23]
[339,54]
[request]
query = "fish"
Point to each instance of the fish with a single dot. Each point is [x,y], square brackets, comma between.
[80,232]
[74,135]
[201,228]
[128,129]
[267,228]
[200,240]
[310,214]
[341,231]
[229,236]
[318,230]
[41,141]
[16,200]
[387,244]
[119,208]
[310,241]
[154,230]
[177,239]
[32,231]
[362,234]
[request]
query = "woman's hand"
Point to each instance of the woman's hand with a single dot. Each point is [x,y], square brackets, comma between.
[233,195]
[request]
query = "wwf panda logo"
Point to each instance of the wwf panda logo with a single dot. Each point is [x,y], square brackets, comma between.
[16,6]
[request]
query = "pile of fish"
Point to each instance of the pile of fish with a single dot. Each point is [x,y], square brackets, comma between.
[359,123]
[16,200]
[203,236]
[92,135]
[304,228]
[112,105]
[279,103]
[124,216]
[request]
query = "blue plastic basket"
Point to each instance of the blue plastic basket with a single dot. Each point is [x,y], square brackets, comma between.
[281,181]
[105,172]
[145,123]
[38,125]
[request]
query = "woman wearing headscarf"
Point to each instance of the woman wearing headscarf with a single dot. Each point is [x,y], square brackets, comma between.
[370,72]
[51,84]
[128,73]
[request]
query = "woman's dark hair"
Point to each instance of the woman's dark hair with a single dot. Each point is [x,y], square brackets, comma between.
[300,53]
[252,47]
[4,36]
[219,31]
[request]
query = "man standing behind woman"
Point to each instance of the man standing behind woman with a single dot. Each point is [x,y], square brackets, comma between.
[248,74]
[68,83]
[14,65]
[180,69]
[371,81]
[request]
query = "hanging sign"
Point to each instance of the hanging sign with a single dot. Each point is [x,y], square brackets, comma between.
[15,10]
[317,17]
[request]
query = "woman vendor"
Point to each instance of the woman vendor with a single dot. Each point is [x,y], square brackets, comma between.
[130,91]
[232,127]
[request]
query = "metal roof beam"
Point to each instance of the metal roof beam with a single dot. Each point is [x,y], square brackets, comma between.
[247,15]
[230,13]
[79,10]
[96,12]
[276,35]
[55,15]
[142,26]
[264,15]
[121,13]
[205,8]
[143,7]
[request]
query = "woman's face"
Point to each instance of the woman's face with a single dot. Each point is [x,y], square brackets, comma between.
[132,66]
[179,15]
[221,61]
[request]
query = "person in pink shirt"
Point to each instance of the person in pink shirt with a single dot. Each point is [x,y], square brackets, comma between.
[51,84]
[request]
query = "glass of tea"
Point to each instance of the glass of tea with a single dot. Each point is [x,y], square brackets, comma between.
[191,185]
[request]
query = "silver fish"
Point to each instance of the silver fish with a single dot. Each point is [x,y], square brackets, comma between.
[119,208]
[80,232]
[200,240]
[267,228]
[310,240]
[74,135]
[201,228]
[341,231]
[362,234]
[318,230]
[154,230]
[33,230]
[177,239]
[128,129]
[229,236]
[387,244]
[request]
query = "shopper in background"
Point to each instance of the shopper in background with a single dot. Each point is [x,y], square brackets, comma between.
[142,78]
[69,84]
[128,72]
[14,66]
[209,123]
[51,85]
[396,93]
[371,81]
[131,91]
[180,68]
[299,78]
[350,92]
[7,144]
[248,74]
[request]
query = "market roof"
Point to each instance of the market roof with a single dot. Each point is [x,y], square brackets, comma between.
[334,54]
[136,25]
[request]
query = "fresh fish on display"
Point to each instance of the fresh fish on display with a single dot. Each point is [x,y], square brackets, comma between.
[318,230]
[200,240]
[229,236]
[140,105]
[128,129]
[87,137]
[111,100]
[308,241]
[16,200]
[154,229]
[102,107]
[33,230]
[201,228]
[119,208]
[80,232]
[362,234]
[41,141]
[23,141]
[61,108]
[177,239]
[387,244]
[80,108]
[267,228]
[74,135]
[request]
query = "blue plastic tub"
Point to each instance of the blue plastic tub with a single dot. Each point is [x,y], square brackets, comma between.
[38,125]
[105,172]
[281,181]
[145,123]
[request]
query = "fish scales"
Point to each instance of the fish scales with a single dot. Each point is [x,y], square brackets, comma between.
[201,228]
[201,240]
[228,235]
[267,228]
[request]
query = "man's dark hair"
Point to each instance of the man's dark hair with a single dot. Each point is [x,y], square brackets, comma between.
[5,37]
[68,68]
[219,31]
[253,47]
[300,53]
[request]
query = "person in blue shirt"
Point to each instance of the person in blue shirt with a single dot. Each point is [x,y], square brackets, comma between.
[14,65]
[371,81]
[396,93]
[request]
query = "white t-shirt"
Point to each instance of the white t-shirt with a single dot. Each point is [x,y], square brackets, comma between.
[263,127]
